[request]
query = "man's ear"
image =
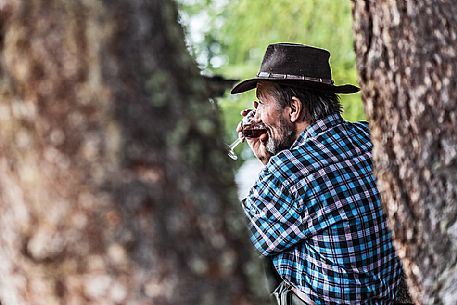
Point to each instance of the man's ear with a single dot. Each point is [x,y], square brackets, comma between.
[296,108]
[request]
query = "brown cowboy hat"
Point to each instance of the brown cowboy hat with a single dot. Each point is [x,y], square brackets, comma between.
[296,65]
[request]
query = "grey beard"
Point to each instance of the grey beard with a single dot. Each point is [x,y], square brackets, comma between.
[274,147]
[271,146]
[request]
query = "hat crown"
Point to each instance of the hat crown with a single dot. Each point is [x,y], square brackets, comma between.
[296,65]
[296,59]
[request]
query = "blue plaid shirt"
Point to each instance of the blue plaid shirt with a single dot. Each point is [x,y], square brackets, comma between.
[316,211]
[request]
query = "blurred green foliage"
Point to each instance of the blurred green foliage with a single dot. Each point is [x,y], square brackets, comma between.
[229,38]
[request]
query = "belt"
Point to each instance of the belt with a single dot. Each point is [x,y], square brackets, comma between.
[302,296]
[287,294]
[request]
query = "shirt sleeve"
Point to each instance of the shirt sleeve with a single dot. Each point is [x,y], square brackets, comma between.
[274,220]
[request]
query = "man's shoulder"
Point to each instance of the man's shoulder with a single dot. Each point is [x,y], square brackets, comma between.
[362,125]
[359,134]
[342,141]
[282,163]
[355,133]
[290,162]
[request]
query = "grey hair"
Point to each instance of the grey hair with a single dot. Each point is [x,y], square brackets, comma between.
[316,105]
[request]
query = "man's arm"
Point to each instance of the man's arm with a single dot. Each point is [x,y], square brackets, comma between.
[275,221]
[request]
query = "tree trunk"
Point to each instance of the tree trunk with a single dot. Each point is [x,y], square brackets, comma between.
[406,59]
[114,185]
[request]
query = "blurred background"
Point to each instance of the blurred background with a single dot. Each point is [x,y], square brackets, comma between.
[228,38]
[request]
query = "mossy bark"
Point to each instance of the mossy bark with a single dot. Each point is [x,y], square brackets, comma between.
[407,64]
[114,184]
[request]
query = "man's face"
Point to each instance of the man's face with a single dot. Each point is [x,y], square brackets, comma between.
[281,131]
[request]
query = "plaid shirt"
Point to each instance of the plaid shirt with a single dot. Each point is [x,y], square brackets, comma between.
[316,211]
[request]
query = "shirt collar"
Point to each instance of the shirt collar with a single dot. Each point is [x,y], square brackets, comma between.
[318,127]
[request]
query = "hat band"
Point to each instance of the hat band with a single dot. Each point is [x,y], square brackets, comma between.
[293,77]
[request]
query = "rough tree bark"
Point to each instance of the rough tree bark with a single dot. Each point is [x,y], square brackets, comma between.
[407,63]
[114,187]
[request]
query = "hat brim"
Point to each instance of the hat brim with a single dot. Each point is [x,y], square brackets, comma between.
[250,84]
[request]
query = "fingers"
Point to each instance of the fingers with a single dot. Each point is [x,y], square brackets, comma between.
[258,146]
[245,112]
[239,127]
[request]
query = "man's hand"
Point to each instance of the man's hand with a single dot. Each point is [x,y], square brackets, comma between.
[258,145]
